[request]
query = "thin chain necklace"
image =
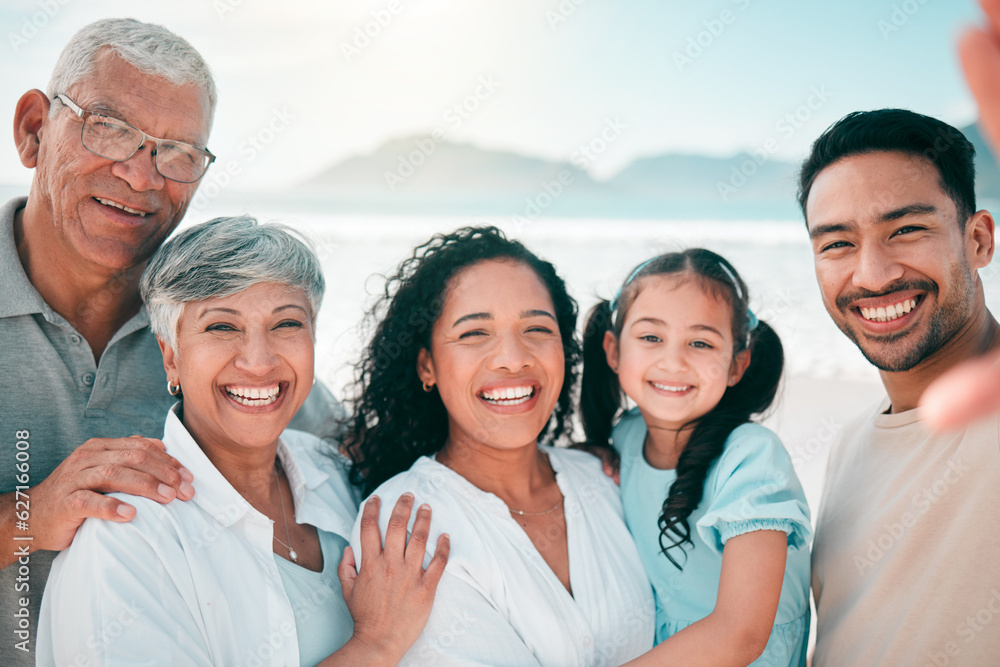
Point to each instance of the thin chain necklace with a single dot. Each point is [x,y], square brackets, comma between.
[552,509]
[548,511]
[291,552]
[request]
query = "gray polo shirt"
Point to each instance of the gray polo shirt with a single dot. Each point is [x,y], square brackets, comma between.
[54,396]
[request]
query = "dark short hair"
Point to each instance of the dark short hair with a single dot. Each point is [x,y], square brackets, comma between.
[902,131]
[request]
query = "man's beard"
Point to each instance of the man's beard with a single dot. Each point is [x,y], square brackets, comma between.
[890,352]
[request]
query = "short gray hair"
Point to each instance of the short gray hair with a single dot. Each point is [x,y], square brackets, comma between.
[150,48]
[220,258]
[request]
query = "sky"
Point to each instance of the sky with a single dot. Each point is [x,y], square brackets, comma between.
[315,82]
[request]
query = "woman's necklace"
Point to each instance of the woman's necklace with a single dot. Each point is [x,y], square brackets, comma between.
[548,511]
[291,552]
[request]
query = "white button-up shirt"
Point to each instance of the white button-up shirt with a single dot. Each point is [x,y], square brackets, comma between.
[499,602]
[189,583]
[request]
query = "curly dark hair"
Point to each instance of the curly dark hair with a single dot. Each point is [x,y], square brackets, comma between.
[394,421]
[601,396]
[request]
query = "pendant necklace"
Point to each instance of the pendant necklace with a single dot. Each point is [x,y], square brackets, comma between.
[548,511]
[291,552]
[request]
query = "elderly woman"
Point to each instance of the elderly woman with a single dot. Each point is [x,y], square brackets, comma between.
[472,362]
[245,572]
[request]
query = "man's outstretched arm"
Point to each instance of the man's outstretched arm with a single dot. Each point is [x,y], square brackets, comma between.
[973,389]
[50,513]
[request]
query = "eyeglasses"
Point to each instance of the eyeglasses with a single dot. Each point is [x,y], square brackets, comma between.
[116,140]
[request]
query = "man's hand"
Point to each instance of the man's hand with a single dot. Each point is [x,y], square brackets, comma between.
[75,490]
[979,50]
[973,389]
[390,598]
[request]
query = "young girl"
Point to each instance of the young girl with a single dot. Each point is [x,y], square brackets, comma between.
[711,498]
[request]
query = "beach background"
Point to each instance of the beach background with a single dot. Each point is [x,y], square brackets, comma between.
[598,133]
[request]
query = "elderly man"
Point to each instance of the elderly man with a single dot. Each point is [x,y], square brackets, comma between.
[118,145]
[905,567]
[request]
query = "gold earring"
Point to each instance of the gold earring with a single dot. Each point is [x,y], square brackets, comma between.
[428,386]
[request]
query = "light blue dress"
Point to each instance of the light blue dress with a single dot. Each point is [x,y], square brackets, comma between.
[751,486]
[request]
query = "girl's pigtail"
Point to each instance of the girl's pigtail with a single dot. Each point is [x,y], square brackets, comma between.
[757,389]
[600,393]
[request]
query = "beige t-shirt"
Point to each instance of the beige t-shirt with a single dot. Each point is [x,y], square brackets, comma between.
[906,560]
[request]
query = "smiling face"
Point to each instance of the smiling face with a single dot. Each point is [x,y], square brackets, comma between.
[244,363]
[674,356]
[895,267]
[115,214]
[496,356]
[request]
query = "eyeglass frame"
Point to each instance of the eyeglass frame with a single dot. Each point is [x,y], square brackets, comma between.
[83,113]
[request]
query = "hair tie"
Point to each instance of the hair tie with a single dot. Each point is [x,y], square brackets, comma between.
[752,320]
[628,281]
[732,277]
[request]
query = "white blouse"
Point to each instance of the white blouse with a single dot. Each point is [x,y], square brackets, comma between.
[196,582]
[499,603]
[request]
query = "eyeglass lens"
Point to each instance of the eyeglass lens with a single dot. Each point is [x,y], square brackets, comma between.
[116,140]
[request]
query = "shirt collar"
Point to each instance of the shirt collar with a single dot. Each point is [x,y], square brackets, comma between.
[18,296]
[213,492]
[320,499]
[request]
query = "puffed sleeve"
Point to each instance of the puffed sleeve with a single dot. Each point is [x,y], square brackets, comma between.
[113,598]
[753,486]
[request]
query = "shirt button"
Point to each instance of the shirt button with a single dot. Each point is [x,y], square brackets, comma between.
[75,339]
[88,379]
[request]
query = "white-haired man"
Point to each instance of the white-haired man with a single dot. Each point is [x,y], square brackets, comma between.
[118,145]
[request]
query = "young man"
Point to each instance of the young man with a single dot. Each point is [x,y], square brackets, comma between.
[904,561]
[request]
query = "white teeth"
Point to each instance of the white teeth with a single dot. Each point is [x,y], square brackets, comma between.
[667,387]
[254,397]
[889,313]
[508,396]
[108,202]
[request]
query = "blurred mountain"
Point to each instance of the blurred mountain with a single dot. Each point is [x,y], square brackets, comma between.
[987,170]
[426,174]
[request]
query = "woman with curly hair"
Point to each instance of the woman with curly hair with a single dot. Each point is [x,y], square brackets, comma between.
[472,365]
